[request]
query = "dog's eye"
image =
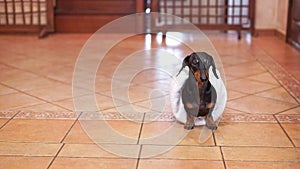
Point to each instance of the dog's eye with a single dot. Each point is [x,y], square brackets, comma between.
[195,62]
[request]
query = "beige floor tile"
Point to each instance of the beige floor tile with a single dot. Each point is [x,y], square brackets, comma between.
[62,74]
[31,64]
[2,122]
[125,127]
[42,107]
[16,100]
[230,60]
[100,150]
[103,84]
[158,104]
[5,90]
[154,129]
[251,134]
[231,111]
[157,129]
[50,59]
[106,102]
[83,103]
[234,94]
[163,85]
[278,94]
[35,130]
[14,74]
[92,163]
[150,75]
[248,86]
[264,154]
[265,165]
[29,149]
[262,105]
[8,162]
[179,164]
[111,131]
[292,111]
[181,152]
[264,77]
[77,135]
[229,78]
[193,137]
[31,84]
[53,93]
[66,103]
[7,57]
[135,93]
[244,70]
[293,132]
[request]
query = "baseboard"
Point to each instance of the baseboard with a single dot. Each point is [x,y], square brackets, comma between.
[280,35]
[270,32]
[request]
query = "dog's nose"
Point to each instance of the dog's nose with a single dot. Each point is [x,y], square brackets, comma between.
[202,80]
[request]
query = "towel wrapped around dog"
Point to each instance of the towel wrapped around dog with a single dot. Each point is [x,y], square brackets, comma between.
[176,99]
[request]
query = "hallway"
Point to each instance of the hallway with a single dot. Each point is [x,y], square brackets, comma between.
[39,126]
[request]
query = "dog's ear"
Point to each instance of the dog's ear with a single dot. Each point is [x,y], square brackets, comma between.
[208,61]
[185,63]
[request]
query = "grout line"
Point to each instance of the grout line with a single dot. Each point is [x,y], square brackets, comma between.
[9,119]
[284,86]
[70,128]
[141,128]
[223,158]
[290,139]
[214,138]
[264,62]
[37,74]
[54,158]
[279,113]
[139,157]
[41,99]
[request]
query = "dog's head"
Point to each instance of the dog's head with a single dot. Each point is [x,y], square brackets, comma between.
[199,64]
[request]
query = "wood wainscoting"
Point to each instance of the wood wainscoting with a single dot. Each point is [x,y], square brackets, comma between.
[87,16]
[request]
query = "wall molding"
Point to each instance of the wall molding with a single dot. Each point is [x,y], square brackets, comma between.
[270,32]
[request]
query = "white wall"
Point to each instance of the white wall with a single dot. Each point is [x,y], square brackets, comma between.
[282,14]
[271,14]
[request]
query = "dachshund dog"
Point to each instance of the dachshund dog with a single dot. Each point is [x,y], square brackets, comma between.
[198,95]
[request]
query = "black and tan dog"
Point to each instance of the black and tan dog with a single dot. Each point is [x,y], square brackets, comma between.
[198,95]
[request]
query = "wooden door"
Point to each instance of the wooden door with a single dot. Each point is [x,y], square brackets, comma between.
[87,16]
[293,30]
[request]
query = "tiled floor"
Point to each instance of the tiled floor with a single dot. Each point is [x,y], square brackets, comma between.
[39,127]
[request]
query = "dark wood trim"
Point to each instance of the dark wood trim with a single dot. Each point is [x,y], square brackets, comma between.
[280,35]
[140,5]
[289,26]
[288,31]
[19,29]
[270,32]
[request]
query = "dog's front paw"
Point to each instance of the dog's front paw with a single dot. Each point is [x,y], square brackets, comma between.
[210,123]
[188,126]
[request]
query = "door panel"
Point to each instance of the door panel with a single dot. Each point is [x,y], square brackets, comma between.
[87,16]
[293,31]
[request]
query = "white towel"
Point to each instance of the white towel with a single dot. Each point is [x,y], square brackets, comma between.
[176,99]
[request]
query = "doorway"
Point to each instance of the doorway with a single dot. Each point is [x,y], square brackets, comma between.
[293,27]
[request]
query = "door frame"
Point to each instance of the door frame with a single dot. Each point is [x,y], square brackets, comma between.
[289,24]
